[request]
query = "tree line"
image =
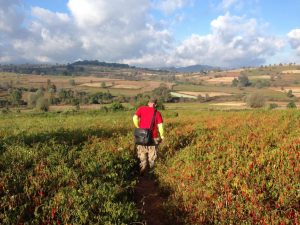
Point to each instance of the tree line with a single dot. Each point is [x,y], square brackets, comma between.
[41,98]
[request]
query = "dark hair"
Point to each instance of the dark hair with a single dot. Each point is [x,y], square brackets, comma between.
[153,100]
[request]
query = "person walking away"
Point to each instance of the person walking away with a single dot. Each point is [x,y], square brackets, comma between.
[142,119]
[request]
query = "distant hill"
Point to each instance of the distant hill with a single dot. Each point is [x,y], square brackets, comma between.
[191,69]
[97,63]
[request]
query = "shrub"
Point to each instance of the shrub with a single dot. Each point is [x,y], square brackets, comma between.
[243,81]
[255,100]
[42,104]
[5,111]
[273,106]
[104,109]
[160,105]
[72,82]
[262,83]
[77,107]
[32,97]
[290,94]
[235,82]
[291,105]
[117,106]
[15,96]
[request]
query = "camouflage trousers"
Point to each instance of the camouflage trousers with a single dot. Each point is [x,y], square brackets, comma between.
[147,156]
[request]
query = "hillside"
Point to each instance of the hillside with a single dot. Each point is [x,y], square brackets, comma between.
[91,80]
[191,69]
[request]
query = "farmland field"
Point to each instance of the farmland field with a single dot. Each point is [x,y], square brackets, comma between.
[89,84]
[291,71]
[217,167]
[212,94]
[295,90]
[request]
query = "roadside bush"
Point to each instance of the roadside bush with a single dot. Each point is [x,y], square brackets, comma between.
[255,100]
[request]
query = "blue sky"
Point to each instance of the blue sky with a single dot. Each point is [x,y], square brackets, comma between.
[154,33]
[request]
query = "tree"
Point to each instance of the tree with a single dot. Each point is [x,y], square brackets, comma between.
[48,84]
[52,88]
[42,104]
[33,97]
[290,94]
[291,105]
[15,96]
[255,100]
[162,93]
[235,82]
[31,101]
[244,80]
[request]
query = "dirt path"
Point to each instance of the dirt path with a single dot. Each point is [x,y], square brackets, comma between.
[150,202]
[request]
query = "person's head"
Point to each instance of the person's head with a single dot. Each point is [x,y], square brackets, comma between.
[152,102]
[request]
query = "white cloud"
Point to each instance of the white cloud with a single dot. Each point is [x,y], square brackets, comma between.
[125,31]
[294,39]
[49,17]
[10,17]
[108,30]
[11,29]
[170,6]
[234,41]
[116,30]
[91,13]
[251,7]
[226,4]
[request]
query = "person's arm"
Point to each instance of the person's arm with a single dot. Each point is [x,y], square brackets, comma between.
[160,126]
[136,121]
[161,130]
[136,117]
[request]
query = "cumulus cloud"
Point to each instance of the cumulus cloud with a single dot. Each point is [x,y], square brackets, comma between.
[294,39]
[233,41]
[10,16]
[104,30]
[91,13]
[11,29]
[118,29]
[169,6]
[125,31]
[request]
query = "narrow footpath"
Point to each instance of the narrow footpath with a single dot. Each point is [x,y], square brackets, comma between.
[150,202]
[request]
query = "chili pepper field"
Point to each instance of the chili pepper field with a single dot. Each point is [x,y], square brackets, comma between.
[216,167]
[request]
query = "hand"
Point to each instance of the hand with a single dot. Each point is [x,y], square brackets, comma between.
[161,140]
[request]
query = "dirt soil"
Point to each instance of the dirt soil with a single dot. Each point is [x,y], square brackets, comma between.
[150,202]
